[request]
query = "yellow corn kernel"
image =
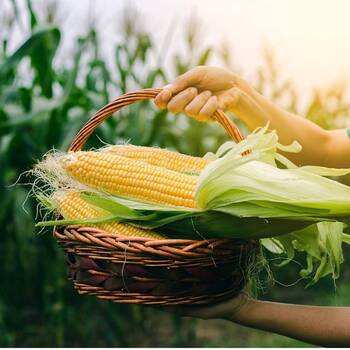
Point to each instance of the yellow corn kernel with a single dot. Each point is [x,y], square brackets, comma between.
[160,157]
[72,207]
[131,178]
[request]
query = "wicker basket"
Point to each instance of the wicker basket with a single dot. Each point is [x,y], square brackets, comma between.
[148,271]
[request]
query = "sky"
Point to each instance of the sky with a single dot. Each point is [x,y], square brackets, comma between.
[310,38]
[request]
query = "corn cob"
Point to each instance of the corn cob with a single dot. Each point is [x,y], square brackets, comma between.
[72,207]
[132,178]
[160,157]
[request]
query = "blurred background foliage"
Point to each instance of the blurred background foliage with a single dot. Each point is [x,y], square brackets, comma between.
[42,105]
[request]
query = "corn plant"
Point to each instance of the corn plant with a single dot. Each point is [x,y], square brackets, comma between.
[42,106]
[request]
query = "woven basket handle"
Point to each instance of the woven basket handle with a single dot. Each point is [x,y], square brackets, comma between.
[129,99]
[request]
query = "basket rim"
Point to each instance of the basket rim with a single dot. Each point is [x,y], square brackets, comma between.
[82,237]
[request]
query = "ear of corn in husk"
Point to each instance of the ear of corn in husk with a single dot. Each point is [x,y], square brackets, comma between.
[251,188]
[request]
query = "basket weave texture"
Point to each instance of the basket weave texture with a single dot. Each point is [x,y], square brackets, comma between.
[152,271]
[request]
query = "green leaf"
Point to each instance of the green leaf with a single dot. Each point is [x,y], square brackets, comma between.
[77,222]
[203,59]
[45,201]
[111,206]
[35,41]
[33,19]
[42,60]
[272,245]
[3,121]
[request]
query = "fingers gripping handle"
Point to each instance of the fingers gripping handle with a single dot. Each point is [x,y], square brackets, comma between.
[129,99]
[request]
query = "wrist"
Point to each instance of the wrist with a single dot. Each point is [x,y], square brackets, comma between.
[241,84]
[241,306]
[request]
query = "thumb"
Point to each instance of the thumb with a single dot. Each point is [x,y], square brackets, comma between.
[188,79]
[168,86]
[164,96]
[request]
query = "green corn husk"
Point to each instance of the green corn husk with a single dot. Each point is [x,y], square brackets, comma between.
[259,196]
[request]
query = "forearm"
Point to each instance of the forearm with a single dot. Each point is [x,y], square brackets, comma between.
[320,147]
[289,127]
[323,326]
[338,153]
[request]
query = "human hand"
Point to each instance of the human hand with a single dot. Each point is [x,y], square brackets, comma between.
[326,326]
[202,90]
[228,309]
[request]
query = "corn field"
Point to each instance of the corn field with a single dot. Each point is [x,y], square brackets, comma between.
[43,105]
